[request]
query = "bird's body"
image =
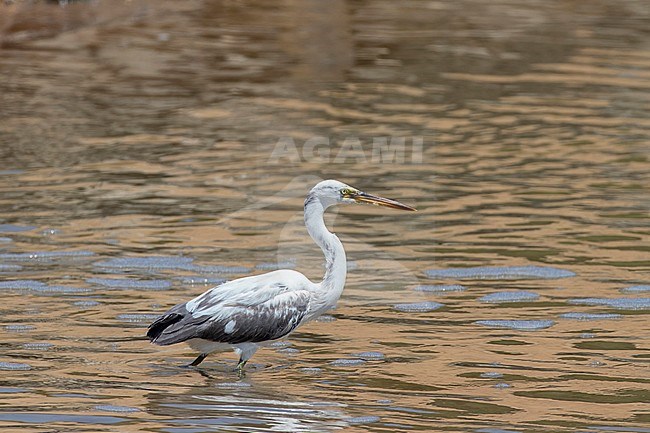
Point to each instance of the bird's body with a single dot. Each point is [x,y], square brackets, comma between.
[253,311]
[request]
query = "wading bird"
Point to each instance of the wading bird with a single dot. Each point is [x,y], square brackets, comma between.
[248,312]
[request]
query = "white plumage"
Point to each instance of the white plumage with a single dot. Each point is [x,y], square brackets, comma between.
[249,312]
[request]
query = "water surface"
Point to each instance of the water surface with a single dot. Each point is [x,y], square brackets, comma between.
[146,156]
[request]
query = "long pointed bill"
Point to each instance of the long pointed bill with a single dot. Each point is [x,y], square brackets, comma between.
[363,197]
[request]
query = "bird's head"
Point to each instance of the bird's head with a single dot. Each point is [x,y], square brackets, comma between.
[331,192]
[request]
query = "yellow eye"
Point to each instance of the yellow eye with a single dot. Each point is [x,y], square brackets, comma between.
[347,191]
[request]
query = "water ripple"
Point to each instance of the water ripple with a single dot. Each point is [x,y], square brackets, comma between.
[367,419]
[14,366]
[88,303]
[492,375]
[46,418]
[234,385]
[311,370]
[500,273]
[220,269]
[518,296]
[345,362]
[60,289]
[369,356]
[205,281]
[12,228]
[617,303]
[288,264]
[495,430]
[39,287]
[440,288]
[128,283]
[520,325]
[590,316]
[418,307]
[44,255]
[21,284]
[19,328]
[636,289]
[136,318]
[157,263]
[120,409]
[38,346]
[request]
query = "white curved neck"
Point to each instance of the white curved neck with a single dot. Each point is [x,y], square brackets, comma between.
[335,261]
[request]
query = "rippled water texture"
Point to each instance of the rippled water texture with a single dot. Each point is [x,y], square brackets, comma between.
[150,150]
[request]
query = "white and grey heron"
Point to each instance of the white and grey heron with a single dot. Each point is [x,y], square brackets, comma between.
[248,312]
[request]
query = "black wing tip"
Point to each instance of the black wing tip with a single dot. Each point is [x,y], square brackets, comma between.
[160,324]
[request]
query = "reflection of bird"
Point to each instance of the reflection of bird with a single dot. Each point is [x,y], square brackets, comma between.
[250,311]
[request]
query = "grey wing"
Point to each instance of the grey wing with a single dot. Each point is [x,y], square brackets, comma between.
[265,321]
[175,326]
[233,323]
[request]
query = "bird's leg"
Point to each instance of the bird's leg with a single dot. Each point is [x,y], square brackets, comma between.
[240,366]
[199,359]
[245,351]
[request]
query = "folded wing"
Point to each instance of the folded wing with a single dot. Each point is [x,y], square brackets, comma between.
[251,309]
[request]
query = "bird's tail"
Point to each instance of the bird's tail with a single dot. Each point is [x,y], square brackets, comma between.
[159,325]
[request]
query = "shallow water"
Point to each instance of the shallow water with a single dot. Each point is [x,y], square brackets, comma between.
[146,152]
